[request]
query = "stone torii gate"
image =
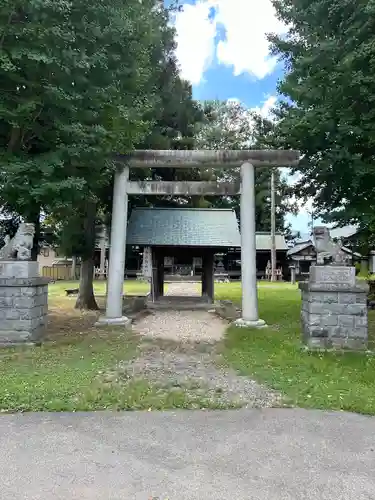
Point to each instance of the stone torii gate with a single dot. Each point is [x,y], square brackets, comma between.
[246,159]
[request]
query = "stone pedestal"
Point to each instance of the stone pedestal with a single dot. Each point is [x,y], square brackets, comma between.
[23,302]
[334,309]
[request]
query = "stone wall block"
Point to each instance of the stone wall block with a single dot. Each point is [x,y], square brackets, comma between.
[346,321]
[357,309]
[314,319]
[9,292]
[352,344]
[325,297]
[23,308]
[347,298]
[361,298]
[360,321]
[6,302]
[326,309]
[360,332]
[330,320]
[24,302]
[28,291]
[334,311]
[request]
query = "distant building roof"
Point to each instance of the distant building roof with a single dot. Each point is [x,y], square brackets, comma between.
[264,241]
[344,232]
[195,227]
[299,247]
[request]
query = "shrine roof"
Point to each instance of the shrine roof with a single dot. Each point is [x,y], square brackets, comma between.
[184,227]
[264,241]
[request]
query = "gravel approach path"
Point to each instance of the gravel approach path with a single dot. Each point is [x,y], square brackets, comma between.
[180,351]
[183,289]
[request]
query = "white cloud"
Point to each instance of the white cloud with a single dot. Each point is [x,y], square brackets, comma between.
[195,40]
[247,23]
[245,48]
[266,108]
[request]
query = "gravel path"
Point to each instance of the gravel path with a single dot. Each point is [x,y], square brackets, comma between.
[191,326]
[199,376]
[184,289]
[179,352]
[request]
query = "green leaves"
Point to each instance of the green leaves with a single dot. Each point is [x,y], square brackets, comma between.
[77,80]
[329,111]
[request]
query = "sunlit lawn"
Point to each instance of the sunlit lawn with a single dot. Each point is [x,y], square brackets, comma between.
[342,381]
[66,372]
[131,287]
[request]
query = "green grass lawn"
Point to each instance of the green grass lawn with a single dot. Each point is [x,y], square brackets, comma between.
[341,381]
[131,287]
[68,372]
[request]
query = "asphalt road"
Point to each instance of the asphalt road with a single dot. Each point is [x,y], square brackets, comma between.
[266,454]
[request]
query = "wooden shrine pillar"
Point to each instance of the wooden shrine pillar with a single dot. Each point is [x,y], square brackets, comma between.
[208,276]
[160,272]
[157,274]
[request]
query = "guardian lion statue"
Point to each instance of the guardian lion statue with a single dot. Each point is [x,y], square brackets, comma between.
[328,252]
[19,247]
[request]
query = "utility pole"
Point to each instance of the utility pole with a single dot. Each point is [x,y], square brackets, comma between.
[311,223]
[273,227]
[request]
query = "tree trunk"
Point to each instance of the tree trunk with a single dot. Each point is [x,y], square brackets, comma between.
[86,299]
[74,268]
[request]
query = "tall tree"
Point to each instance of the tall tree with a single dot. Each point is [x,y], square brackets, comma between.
[328,108]
[77,79]
[230,125]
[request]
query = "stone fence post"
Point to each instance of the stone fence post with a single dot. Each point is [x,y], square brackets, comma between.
[334,309]
[23,302]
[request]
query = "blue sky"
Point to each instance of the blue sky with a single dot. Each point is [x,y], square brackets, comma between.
[223,51]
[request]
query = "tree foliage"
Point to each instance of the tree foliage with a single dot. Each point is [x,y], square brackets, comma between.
[229,125]
[328,110]
[74,79]
[79,81]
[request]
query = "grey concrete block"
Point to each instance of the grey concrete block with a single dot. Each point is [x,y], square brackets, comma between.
[28,291]
[356,309]
[332,274]
[361,298]
[318,343]
[330,319]
[333,313]
[361,321]
[24,302]
[6,302]
[318,332]
[314,319]
[347,321]
[9,292]
[19,269]
[23,309]
[324,297]
[11,337]
[360,332]
[327,309]
[347,298]
[349,343]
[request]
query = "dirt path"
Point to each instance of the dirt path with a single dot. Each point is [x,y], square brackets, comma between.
[197,371]
[180,351]
[182,326]
[183,289]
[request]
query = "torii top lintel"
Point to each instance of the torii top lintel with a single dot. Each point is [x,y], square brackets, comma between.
[205,158]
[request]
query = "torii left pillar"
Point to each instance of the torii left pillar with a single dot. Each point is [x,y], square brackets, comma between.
[116,267]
